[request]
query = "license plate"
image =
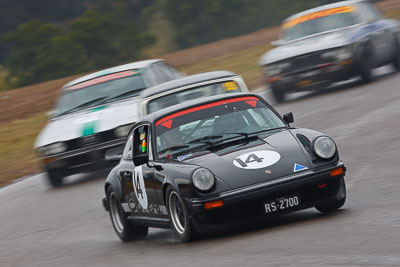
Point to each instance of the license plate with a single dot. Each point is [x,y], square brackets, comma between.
[282,203]
[304,83]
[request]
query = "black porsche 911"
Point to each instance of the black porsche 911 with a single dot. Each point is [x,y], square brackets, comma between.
[199,165]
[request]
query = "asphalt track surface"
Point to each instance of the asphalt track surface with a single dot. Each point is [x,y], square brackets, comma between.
[40,226]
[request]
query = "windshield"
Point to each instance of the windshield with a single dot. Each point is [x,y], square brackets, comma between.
[318,22]
[191,129]
[100,90]
[192,93]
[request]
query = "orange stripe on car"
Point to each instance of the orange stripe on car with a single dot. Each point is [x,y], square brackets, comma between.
[319,14]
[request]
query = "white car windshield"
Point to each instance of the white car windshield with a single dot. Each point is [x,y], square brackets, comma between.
[318,22]
[100,90]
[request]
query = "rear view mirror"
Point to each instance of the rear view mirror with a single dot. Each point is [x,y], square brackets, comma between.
[50,114]
[140,149]
[277,43]
[288,117]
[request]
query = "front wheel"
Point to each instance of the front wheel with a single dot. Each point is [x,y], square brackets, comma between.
[278,94]
[179,216]
[396,59]
[123,228]
[366,66]
[55,177]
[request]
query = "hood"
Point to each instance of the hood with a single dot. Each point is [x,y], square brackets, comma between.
[306,45]
[274,156]
[93,120]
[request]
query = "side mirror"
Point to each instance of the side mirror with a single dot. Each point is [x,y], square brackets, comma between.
[50,114]
[277,43]
[140,159]
[114,155]
[288,117]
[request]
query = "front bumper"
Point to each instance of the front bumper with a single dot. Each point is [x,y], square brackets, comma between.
[249,202]
[84,159]
[316,77]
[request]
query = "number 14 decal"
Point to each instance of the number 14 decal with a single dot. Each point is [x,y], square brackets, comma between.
[257,159]
[251,158]
[139,187]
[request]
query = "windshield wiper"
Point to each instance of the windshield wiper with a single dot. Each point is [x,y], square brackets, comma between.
[172,148]
[271,129]
[205,139]
[122,95]
[83,105]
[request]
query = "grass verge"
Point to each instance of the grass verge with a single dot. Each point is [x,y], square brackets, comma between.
[243,62]
[17,158]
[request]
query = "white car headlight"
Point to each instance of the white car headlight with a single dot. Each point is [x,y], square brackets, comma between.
[52,149]
[343,54]
[273,70]
[122,131]
[203,179]
[276,69]
[324,147]
[338,54]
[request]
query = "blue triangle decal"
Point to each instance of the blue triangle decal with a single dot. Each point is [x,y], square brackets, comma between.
[298,167]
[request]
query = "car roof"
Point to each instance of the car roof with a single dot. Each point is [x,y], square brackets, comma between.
[153,117]
[186,81]
[328,6]
[134,65]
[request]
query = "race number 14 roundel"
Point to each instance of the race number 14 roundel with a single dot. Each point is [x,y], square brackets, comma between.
[257,159]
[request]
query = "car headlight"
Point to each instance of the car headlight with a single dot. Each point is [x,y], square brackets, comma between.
[276,69]
[338,54]
[343,54]
[52,149]
[324,147]
[203,179]
[122,131]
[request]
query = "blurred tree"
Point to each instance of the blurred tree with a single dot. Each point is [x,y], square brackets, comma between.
[198,22]
[42,51]
[108,39]
[38,54]
[13,13]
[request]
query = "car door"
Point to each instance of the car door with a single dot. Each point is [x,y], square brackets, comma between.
[138,181]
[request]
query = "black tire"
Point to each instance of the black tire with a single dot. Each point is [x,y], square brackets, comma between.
[335,205]
[396,59]
[278,94]
[124,229]
[179,216]
[366,65]
[55,177]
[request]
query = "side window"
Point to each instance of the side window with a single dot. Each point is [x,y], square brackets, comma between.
[159,74]
[140,140]
[149,77]
[376,14]
[127,154]
[370,13]
[172,72]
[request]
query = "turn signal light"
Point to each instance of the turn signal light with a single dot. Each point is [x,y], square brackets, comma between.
[337,171]
[213,204]
[273,79]
[48,160]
